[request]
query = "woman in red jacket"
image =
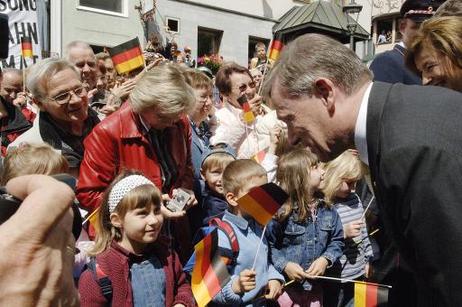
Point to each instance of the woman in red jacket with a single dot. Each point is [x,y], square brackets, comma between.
[141,271]
[150,133]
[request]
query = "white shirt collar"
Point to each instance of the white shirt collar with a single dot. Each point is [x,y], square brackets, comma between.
[361,126]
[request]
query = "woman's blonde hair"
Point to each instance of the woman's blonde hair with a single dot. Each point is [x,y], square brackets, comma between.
[29,159]
[144,196]
[293,174]
[165,89]
[346,167]
[444,35]
[198,80]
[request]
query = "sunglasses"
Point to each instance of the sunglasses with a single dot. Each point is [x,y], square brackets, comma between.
[243,87]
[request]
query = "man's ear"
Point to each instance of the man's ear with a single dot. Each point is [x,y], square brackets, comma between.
[39,104]
[116,221]
[231,198]
[324,89]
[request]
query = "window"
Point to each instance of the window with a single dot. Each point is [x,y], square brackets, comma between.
[208,41]
[252,42]
[173,24]
[384,31]
[113,7]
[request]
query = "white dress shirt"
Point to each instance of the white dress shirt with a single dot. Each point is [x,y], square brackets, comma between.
[361,125]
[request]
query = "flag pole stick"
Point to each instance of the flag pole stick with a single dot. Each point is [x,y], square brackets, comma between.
[90,216]
[365,210]
[352,280]
[258,248]
[24,75]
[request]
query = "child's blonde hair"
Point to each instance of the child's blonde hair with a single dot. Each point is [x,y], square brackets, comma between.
[293,174]
[239,173]
[219,159]
[33,159]
[143,196]
[346,167]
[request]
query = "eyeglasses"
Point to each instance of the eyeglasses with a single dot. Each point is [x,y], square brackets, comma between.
[66,97]
[243,87]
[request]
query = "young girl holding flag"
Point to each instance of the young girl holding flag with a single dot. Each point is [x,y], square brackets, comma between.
[341,176]
[133,267]
[306,235]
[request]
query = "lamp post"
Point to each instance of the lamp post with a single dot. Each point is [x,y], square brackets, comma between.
[352,10]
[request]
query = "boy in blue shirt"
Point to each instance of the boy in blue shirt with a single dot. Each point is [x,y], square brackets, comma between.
[248,286]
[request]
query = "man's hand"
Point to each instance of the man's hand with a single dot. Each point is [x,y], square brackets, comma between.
[352,229]
[37,246]
[318,267]
[245,282]
[20,100]
[255,105]
[295,271]
[274,289]
[122,91]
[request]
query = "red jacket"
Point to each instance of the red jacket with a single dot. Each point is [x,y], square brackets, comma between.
[118,143]
[115,263]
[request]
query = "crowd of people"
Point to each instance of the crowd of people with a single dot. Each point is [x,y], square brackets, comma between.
[370,166]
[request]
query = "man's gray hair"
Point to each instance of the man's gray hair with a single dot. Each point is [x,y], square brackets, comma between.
[39,75]
[313,56]
[165,89]
[75,44]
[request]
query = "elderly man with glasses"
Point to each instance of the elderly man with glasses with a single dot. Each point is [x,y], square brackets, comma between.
[64,119]
[236,127]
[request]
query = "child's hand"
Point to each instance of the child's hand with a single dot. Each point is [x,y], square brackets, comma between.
[274,289]
[318,267]
[352,229]
[245,283]
[275,134]
[295,271]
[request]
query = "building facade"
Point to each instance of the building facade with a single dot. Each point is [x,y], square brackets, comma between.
[385,24]
[228,28]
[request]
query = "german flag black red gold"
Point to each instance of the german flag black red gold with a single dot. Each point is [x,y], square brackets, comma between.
[370,295]
[127,56]
[263,202]
[210,273]
[26,47]
[276,46]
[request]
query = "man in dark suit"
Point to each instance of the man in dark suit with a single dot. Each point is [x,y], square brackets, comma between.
[410,136]
[389,66]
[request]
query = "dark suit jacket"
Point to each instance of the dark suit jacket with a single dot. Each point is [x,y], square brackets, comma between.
[414,137]
[389,67]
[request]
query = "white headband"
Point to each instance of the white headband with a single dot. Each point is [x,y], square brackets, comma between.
[122,188]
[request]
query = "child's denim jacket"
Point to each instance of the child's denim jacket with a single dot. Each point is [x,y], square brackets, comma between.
[303,242]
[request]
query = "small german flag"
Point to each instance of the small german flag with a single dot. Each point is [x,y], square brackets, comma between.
[93,219]
[26,47]
[210,273]
[260,156]
[263,202]
[248,114]
[276,46]
[127,56]
[370,295]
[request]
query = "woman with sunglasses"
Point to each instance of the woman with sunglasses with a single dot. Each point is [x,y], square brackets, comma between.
[243,122]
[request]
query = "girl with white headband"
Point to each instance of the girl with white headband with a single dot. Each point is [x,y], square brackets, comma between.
[130,253]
